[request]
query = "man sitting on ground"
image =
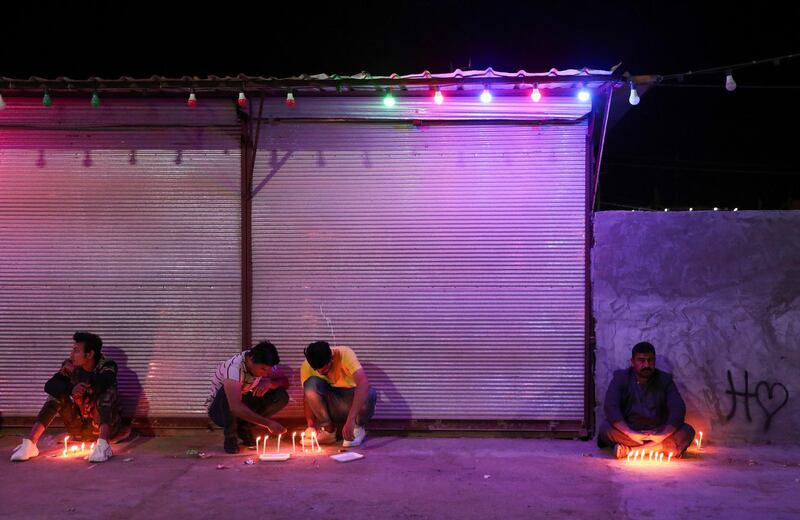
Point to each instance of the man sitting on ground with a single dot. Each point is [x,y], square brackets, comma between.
[336,392]
[644,409]
[246,390]
[84,394]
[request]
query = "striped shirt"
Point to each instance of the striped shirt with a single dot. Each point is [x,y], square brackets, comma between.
[233,368]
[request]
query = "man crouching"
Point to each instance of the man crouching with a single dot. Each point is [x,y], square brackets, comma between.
[84,394]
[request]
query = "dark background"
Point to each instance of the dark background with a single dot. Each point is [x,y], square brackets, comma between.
[687,144]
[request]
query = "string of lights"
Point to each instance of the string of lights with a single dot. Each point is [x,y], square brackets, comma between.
[675,80]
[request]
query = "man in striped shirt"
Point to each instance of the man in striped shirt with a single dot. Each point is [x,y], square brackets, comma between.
[245,391]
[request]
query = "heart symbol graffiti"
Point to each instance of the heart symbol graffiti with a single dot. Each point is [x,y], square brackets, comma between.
[769,395]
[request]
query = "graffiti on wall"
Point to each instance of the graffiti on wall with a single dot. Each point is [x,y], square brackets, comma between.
[769,397]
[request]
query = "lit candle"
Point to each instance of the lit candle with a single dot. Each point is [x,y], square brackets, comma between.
[303,441]
[65,445]
[83,447]
[651,455]
[279,444]
[661,457]
[313,440]
[265,444]
[294,434]
[700,444]
[91,448]
[73,449]
[669,459]
[258,441]
[630,453]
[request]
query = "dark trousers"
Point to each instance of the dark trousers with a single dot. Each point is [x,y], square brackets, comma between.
[330,404]
[678,442]
[266,406]
[104,408]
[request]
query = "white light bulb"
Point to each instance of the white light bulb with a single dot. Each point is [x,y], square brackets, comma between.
[486,96]
[536,96]
[583,95]
[438,98]
[730,85]
[634,97]
[716,208]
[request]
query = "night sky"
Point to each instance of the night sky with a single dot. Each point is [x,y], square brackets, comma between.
[692,144]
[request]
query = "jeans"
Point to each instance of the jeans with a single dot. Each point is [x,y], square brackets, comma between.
[678,442]
[267,405]
[330,404]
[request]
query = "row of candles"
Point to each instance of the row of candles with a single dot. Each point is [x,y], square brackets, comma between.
[657,456]
[313,437]
[74,450]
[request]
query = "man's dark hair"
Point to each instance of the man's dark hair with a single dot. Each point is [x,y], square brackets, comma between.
[318,354]
[643,348]
[264,353]
[91,343]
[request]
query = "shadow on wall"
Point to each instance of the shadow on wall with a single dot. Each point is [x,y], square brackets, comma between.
[391,404]
[134,401]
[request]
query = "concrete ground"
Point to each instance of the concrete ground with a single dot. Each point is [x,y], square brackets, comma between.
[400,477]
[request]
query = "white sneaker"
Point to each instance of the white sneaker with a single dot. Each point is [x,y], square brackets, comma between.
[360,434]
[323,437]
[102,451]
[26,450]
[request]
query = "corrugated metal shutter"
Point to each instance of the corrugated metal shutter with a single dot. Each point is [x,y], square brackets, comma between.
[129,232]
[450,257]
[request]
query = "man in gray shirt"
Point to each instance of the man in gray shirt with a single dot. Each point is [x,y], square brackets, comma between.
[644,409]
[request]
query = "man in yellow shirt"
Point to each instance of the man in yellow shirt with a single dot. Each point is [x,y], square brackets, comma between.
[336,392]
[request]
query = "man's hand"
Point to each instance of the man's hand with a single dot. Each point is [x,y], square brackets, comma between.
[261,388]
[78,391]
[348,430]
[274,427]
[67,368]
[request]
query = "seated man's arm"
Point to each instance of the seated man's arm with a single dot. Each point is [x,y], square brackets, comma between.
[233,392]
[359,400]
[612,406]
[676,412]
[60,384]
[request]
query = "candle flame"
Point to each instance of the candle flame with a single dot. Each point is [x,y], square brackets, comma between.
[661,457]
[91,448]
[83,447]
[303,441]
[669,459]
[700,442]
[630,453]
[73,448]
[294,434]
[279,443]
[258,441]
[65,445]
